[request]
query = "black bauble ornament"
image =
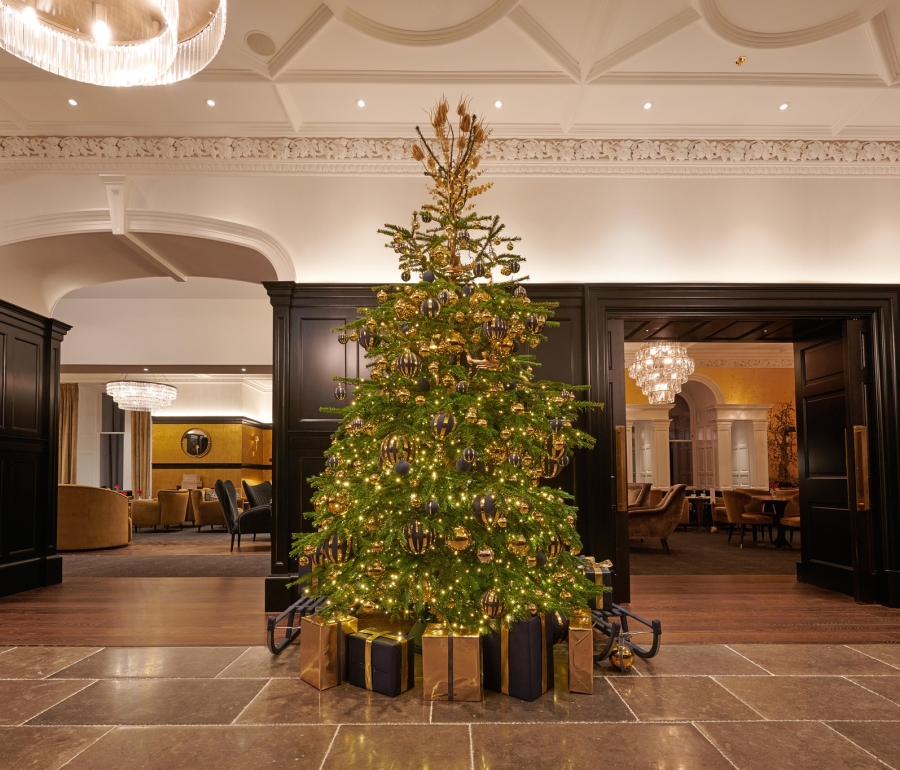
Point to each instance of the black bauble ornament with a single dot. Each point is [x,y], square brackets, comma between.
[404,328]
[357,423]
[495,329]
[426,216]
[520,292]
[443,296]
[408,364]
[461,386]
[469,454]
[336,550]
[510,385]
[514,267]
[432,508]
[395,447]
[402,467]
[405,275]
[423,384]
[366,339]
[534,323]
[430,308]
[515,459]
[462,466]
[563,461]
[485,509]
[465,289]
[541,558]
[333,461]
[340,392]
[491,604]
[479,270]
[442,424]
[557,424]
[418,537]
[342,338]
[428,276]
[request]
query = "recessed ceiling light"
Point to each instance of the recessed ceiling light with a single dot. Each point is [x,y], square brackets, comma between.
[211,102]
[243,370]
[361,103]
[783,106]
[73,102]
[146,369]
[498,104]
[648,105]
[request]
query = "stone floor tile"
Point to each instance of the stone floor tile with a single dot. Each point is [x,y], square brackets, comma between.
[680,698]
[400,747]
[155,702]
[809,697]
[798,745]
[40,662]
[887,653]
[696,660]
[20,700]
[880,738]
[557,706]
[259,663]
[886,686]
[612,747]
[797,659]
[45,748]
[198,748]
[293,701]
[162,662]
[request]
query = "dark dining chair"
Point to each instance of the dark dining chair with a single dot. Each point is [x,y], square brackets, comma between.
[258,494]
[253,521]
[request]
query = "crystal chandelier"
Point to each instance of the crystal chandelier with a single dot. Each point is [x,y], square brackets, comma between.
[660,369]
[116,42]
[136,396]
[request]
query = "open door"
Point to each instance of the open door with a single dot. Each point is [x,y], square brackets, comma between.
[833,373]
[617,505]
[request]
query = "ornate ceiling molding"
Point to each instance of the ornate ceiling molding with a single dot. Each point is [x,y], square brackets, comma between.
[744,363]
[511,157]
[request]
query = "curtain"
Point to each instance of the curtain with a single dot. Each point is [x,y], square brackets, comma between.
[141,435]
[68,433]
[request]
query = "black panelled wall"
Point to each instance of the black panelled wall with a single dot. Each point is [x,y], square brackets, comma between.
[585,349]
[29,439]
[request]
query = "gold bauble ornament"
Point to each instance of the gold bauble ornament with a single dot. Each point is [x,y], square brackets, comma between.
[539,517]
[375,570]
[527,460]
[517,408]
[538,592]
[371,525]
[501,522]
[424,350]
[532,609]
[414,483]
[337,505]
[524,506]
[303,561]
[471,415]
[460,539]
[565,594]
[377,546]
[505,270]
[509,246]
[496,241]
[571,519]
[448,381]
[505,433]
[418,295]
[414,500]
[371,325]
[476,337]
[459,317]
[531,560]
[485,555]
[434,367]
[621,657]
[420,400]
[309,550]
[367,607]
[518,544]
[381,296]
[403,396]
[554,547]
[482,422]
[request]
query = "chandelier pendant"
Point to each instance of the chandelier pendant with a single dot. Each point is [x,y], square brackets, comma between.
[115,43]
[137,396]
[660,369]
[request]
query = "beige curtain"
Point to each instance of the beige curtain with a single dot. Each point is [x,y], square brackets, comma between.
[68,433]
[141,435]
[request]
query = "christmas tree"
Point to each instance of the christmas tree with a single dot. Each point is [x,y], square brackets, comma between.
[431,504]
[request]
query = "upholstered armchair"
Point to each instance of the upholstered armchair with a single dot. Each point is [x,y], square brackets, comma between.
[91,517]
[258,494]
[252,521]
[736,505]
[206,512]
[169,509]
[658,521]
[637,494]
[791,518]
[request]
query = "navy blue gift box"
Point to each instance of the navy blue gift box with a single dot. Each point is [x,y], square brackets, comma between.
[381,661]
[518,660]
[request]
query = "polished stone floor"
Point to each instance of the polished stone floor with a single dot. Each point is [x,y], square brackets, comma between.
[695,706]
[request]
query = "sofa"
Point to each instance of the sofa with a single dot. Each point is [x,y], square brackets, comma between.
[91,517]
[169,509]
[205,513]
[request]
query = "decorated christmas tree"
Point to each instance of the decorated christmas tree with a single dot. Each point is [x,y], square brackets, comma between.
[432,504]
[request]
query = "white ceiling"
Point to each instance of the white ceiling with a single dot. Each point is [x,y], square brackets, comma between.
[560,67]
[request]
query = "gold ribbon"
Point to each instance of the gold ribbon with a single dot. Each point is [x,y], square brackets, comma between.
[373,634]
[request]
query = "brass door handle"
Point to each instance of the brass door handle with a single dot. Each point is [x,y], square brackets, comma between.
[861,461]
[621,469]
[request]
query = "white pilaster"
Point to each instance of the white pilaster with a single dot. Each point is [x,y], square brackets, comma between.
[760,465]
[723,454]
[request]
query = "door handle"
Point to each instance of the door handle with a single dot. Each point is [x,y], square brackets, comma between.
[861,461]
[621,470]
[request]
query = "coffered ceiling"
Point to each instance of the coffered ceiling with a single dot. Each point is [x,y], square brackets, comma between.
[581,68]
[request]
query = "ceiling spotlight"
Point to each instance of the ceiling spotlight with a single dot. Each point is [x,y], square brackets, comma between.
[73,102]
[146,369]
[211,102]
[783,106]
[361,103]
[100,29]
[498,104]
[648,105]
[243,369]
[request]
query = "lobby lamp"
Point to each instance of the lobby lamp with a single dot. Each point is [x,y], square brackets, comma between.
[116,43]
[660,369]
[137,396]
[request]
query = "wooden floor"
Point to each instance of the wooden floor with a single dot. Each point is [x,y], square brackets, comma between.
[229,611]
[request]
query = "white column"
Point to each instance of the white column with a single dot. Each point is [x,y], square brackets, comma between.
[660,452]
[723,454]
[629,449]
[760,454]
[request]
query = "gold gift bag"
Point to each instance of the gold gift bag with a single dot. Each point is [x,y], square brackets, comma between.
[323,650]
[581,654]
[451,664]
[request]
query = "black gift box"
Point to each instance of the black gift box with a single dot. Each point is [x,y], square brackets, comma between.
[382,661]
[600,574]
[518,660]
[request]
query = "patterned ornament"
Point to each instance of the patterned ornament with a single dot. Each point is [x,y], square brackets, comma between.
[555,447]
[479,269]
[430,308]
[485,554]
[340,392]
[557,424]
[460,539]
[518,544]
[336,550]
[515,459]
[396,447]
[469,454]
[554,547]
[408,364]
[333,461]
[366,339]
[535,323]
[418,537]
[562,461]
[432,508]
[495,329]
[485,509]
[443,296]
[551,468]
[442,424]
[342,338]
[520,292]
[491,604]
[462,386]
[514,267]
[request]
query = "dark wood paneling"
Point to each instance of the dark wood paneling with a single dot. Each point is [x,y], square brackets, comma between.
[24,384]
[20,507]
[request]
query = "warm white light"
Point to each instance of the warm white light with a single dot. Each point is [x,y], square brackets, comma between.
[498,104]
[783,106]
[660,369]
[361,103]
[243,370]
[101,33]
[29,14]
[210,102]
[146,369]
[135,396]
[73,102]
[648,105]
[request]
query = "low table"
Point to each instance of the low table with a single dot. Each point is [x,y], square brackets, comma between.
[778,505]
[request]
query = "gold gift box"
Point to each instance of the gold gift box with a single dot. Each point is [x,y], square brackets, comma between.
[324,650]
[451,664]
[581,654]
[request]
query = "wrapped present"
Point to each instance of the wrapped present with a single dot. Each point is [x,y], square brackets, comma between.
[323,650]
[518,660]
[451,664]
[581,653]
[381,661]
[599,573]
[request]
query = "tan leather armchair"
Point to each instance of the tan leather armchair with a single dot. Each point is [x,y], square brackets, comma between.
[91,517]
[206,512]
[736,504]
[169,509]
[658,521]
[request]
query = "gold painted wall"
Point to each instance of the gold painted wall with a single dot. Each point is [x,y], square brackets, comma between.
[739,386]
[225,440]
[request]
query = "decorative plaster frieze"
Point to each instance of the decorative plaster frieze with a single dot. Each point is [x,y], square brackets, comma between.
[744,363]
[531,157]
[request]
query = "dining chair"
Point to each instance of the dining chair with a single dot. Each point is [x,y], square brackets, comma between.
[735,509]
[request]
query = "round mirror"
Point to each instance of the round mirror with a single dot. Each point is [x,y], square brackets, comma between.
[196,442]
